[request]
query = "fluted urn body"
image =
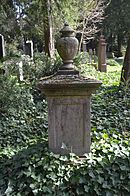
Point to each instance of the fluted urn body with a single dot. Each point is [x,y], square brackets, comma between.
[67,47]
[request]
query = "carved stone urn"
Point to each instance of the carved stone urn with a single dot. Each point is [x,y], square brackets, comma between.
[67,47]
[68,97]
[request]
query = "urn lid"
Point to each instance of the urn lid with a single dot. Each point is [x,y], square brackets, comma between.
[67,31]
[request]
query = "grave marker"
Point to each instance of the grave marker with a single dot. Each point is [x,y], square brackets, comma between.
[2,47]
[68,96]
[20,70]
[102,55]
[29,48]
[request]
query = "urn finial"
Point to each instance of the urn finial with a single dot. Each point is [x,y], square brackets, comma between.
[67,31]
[67,47]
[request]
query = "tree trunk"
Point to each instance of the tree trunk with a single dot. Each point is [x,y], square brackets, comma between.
[125,74]
[48,38]
[110,44]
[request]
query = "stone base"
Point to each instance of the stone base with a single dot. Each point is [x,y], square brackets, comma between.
[69,124]
[68,99]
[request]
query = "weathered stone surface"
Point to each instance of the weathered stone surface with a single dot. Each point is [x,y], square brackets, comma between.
[102,55]
[20,71]
[67,47]
[78,85]
[2,46]
[68,100]
[68,95]
[29,48]
[69,124]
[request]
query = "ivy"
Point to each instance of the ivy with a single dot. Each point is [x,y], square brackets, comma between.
[27,167]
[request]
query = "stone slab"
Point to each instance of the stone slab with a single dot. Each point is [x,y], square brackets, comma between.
[69,125]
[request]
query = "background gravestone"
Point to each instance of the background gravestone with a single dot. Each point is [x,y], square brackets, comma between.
[20,71]
[2,54]
[102,55]
[2,47]
[29,48]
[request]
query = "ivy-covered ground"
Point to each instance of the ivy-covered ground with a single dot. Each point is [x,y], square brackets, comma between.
[28,168]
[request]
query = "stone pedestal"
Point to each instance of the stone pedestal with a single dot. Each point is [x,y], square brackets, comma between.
[68,96]
[68,100]
[102,55]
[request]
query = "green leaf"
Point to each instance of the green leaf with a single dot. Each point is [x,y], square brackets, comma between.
[86,188]
[91,174]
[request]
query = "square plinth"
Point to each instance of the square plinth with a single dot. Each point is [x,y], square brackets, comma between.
[68,99]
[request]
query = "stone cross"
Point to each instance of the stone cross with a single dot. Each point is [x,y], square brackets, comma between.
[29,48]
[102,55]
[2,47]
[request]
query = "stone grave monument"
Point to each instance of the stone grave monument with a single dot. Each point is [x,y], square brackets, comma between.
[2,47]
[29,48]
[3,70]
[102,55]
[20,70]
[68,96]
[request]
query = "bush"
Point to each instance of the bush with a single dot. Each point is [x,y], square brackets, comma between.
[20,116]
[41,66]
[44,66]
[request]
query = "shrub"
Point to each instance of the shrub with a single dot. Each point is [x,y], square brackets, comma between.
[20,117]
[44,66]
